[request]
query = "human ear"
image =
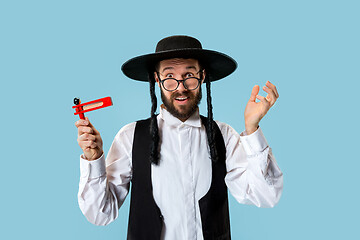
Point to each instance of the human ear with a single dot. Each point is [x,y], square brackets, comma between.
[156,78]
[203,76]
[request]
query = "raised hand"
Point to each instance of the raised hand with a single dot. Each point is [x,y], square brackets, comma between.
[255,111]
[89,140]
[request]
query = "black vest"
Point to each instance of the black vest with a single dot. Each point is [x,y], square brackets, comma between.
[145,219]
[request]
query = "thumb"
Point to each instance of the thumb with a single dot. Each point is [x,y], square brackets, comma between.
[87,119]
[92,126]
[254,92]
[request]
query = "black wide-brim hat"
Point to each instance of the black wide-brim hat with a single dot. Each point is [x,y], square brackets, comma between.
[217,65]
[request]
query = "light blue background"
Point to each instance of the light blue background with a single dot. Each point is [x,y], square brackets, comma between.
[53,51]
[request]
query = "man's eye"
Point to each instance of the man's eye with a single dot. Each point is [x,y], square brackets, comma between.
[189,75]
[169,75]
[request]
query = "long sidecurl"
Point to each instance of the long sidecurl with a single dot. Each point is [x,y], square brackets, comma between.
[154,129]
[210,123]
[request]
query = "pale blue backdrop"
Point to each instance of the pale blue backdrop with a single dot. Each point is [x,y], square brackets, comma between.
[53,51]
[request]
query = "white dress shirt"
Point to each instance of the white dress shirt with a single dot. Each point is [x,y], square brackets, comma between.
[183,176]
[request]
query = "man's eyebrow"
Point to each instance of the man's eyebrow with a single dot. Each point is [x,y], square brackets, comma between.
[170,68]
[167,68]
[191,67]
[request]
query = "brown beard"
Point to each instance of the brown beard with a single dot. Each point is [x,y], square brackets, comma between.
[187,110]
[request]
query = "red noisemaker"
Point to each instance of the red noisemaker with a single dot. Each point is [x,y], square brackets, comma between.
[81,108]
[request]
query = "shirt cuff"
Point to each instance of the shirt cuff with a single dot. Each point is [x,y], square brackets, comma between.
[92,169]
[253,143]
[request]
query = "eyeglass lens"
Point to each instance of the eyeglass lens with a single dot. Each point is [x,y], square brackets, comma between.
[189,83]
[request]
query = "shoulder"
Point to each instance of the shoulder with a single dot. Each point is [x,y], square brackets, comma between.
[225,128]
[227,131]
[126,132]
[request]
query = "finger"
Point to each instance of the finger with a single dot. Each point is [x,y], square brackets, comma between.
[87,144]
[263,100]
[82,130]
[87,119]
[98,139]
[271,95]
[273,87]
[92,126]
[91,144]
[81,123]
[87,137]
[83,145]
[254,92]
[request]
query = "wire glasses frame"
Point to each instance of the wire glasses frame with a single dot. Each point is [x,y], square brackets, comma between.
[189,83]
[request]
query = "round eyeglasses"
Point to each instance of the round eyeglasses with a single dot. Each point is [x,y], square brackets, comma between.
[171,84]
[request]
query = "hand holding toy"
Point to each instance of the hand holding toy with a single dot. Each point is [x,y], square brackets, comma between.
[89,138]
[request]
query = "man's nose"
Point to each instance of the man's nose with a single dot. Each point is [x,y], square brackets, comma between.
[181,86]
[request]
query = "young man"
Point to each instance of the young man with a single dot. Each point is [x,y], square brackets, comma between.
[180,164]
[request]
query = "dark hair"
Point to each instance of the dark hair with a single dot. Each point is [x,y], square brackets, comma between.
[154,129]
[210,122]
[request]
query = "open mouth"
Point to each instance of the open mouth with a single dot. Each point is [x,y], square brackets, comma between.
[181,99]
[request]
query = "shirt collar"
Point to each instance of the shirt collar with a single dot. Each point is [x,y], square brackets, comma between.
[193,121]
